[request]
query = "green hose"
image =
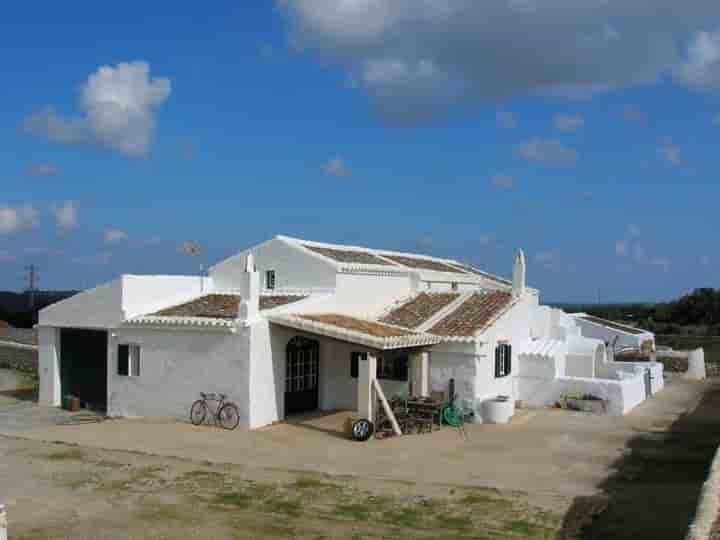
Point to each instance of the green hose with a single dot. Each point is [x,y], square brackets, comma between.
[451,416]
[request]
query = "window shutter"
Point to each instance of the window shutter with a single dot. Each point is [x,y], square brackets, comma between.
[135,361]
[497,361]
[508,359]
[354,357]
[123,358]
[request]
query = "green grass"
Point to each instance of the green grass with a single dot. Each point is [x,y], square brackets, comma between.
[233,499]
[282,505]
[312,482]
[73,454]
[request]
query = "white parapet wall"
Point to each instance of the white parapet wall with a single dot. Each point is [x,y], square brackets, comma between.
[621,395]
[708,504]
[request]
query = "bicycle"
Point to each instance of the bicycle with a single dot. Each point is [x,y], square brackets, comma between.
[226,413]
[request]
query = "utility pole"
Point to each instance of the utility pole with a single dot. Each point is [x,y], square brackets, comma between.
[32,279]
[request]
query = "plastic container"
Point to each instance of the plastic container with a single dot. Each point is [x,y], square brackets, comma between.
[497,410]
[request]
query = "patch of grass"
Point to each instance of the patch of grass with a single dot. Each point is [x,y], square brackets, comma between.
[281,505]
[478,498]
[312,482]
[77,480]
[525,528]
[404,516]
[162,513]
[453,522]
[74,454]
[233,499]
[204,479]
[356,511]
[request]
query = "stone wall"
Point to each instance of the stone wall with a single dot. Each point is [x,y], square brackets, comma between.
[19,357]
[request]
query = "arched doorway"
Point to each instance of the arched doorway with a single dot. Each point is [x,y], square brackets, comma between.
[301,375]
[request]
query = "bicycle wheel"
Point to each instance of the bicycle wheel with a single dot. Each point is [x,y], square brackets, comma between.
[198,412]
[229,416]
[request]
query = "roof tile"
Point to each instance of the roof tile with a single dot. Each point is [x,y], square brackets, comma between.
[473,315]
[423,264]
[370,328]
[348,256]
[419,309]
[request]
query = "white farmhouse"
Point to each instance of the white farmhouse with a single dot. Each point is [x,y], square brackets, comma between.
[291,325]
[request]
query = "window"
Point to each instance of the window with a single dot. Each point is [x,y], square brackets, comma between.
[388,367]
[128,360]
[503,360]
[454,286]
[270,279]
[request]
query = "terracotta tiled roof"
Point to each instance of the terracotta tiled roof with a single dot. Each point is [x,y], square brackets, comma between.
[419,309]
[358,325]
[348,256]
[273,301]
[615,326]
[473,315]
[423,264]
[222,306]
[477,272]
[216,306]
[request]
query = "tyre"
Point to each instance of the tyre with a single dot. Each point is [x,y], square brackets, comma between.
[198,412]
[229,416]
[362,430]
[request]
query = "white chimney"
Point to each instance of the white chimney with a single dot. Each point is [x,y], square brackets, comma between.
[249,291]
[518,279]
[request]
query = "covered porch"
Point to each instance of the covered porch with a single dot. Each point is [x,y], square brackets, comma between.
[339,363]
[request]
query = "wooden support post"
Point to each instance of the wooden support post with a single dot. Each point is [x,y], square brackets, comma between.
[386,407]
[367,366]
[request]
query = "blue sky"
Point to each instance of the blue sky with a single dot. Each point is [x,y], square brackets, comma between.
[587,137]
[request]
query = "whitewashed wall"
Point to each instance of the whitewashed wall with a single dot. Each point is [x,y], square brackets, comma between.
[293,267]
[175,366]
[100,307]
[49,366]
[107,305]
[369,295]
[457,361]
[623,395]
[513,327]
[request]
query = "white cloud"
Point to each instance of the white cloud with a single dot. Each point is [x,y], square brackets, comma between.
[621,248]
[716,120]
[14,219]
[669,151]
[66,215]
[546,151]
[633,230]
[432,55]
[336,167]
[43,169]
[505,120]
[115,235]
[705,260]
[566,122]
[701,69]
[639,254]
[502,181]
[118,105]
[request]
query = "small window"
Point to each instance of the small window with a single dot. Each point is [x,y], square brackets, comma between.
[454,286]
[392,368]
[503,360]
[270,280]
[128,359]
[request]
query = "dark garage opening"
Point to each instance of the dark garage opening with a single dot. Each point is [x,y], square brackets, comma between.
[83,366]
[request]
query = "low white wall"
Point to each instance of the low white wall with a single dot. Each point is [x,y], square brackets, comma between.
[622,395]
[580,365]
[175,366]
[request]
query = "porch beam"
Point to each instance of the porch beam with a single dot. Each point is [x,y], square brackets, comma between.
[367,366]
[420,373]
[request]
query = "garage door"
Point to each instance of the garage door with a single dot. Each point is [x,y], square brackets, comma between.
[83,366]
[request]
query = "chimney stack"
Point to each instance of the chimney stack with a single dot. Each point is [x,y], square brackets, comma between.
[249,291]
[518,279]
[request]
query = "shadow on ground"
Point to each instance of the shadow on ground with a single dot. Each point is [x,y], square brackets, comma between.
[652,491]
[22,394]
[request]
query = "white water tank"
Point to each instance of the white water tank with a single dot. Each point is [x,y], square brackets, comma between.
[498,410]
